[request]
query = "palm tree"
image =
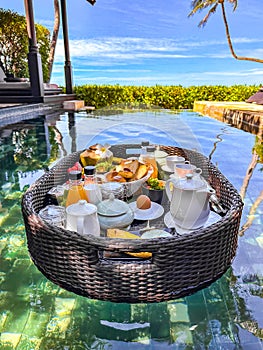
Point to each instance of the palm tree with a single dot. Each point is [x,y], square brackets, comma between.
[53,42]
[199,5]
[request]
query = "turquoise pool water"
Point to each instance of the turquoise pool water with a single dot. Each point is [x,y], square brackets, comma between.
[36,314]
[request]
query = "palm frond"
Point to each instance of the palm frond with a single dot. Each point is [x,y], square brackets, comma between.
[199,5]
[234,3]
[207,16]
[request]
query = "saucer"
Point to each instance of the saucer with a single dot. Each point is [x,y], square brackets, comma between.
[155,234]
[167,169]
[169,222]
[152,213]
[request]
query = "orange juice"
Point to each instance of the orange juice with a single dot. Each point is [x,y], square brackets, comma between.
[76,191]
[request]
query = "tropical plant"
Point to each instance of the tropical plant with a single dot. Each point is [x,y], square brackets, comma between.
[168,97]
[199,5]
[14,44]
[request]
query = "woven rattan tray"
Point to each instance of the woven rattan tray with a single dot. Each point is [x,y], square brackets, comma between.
[180,265]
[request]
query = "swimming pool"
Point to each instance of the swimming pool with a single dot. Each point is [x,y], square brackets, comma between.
[36,314]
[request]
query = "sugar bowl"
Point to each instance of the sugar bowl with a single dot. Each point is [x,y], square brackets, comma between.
[114,213]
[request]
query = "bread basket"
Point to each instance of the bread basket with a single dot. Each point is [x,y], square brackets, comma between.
[131,187]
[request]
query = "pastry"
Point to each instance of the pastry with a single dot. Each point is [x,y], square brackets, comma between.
[126,173]
[141,171]
[128,165]
[114,176]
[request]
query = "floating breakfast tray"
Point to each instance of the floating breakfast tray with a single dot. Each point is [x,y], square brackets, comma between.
[179,266]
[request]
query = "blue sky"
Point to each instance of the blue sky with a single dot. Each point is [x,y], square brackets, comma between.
[154,42]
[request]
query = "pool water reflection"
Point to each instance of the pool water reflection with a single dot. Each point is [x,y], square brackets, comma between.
[36,314]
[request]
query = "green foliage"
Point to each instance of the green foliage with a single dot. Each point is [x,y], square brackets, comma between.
[155,184]
[167,97]
[199,5]
[14,44]
[258,148]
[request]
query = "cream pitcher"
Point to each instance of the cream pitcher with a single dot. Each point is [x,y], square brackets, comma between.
[82,217]
[189,197]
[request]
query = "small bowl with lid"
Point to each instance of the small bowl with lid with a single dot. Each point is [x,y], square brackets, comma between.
[114,213]
[109,188]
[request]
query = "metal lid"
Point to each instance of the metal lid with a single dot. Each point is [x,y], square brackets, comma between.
[89,170]
[74,175]
[150,149]
[112,207]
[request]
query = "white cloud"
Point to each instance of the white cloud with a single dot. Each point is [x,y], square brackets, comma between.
[113,70]
[112,46]
[246,73]
[112,61]
[126,48]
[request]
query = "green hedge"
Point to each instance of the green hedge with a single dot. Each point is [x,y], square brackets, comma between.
[168,97]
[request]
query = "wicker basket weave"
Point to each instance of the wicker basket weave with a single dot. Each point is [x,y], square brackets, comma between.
[180,265]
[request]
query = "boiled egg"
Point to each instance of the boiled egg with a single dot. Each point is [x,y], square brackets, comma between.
[143,202]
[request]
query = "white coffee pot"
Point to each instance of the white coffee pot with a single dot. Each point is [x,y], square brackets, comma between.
[189,197]
[82,217]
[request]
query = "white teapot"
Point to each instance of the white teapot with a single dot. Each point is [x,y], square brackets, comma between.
[189,197]
[82,217]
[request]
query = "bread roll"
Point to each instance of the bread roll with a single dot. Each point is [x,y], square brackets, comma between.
[114,176]
[127,174]
[128,165]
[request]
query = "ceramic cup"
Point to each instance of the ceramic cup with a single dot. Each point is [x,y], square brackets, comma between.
[180,170]
[171,161]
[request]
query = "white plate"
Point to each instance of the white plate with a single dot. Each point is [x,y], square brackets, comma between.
[155,234]
[169,222]
[154,212]
[167,169]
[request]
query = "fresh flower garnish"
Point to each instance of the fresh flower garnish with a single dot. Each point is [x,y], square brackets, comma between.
[102,150]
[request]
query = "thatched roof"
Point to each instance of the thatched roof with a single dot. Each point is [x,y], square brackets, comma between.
[257,97]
